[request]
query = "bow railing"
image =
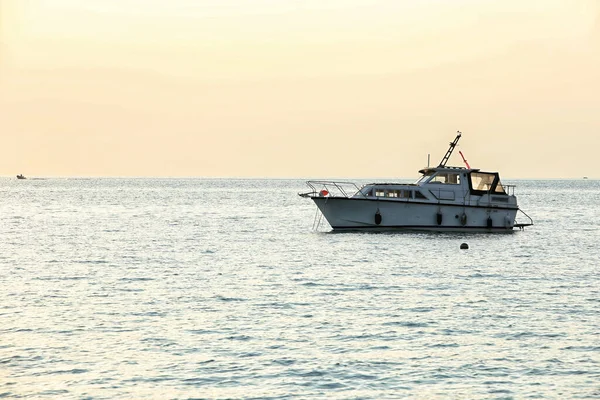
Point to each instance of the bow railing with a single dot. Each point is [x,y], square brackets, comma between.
[331,189]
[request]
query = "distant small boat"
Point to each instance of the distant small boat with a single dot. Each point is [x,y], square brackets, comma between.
[585,177]
[21,176]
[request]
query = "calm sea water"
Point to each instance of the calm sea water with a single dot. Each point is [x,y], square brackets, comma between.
[219,289]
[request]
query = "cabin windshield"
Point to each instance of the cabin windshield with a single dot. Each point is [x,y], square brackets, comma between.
[424,177]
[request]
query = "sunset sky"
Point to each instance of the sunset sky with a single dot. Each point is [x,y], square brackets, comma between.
[291,88]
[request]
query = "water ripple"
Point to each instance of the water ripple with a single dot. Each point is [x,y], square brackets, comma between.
[217,289]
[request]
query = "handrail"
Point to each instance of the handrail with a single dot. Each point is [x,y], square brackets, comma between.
[509,188]
[328,185]
[522,225]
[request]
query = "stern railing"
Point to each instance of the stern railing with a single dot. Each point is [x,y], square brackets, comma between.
[509,189]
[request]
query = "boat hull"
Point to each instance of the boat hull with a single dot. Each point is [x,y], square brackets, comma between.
[349,214]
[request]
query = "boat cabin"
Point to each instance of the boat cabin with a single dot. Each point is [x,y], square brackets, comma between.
[480,183]
[442,183]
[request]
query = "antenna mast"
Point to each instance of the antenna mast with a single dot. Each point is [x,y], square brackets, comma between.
[450,150]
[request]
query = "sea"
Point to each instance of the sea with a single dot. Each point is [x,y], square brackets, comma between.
[222,289]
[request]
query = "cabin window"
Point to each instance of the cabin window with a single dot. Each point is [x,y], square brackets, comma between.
[399,193]
[482,181]
[486,182]
[499,188]
[419,195]
[446,178]
[380,192]
[501,199]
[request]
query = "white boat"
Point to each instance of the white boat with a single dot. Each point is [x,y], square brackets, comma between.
[454,199]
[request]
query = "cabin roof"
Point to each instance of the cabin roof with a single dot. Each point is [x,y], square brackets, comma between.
[453,169]
[390,184]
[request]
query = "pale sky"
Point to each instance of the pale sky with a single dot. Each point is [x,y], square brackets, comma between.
[291,88]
